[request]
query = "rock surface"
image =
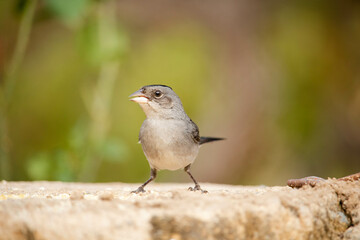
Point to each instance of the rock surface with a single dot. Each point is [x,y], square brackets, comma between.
[55,210]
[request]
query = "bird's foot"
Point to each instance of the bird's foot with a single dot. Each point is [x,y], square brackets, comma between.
[197,188]
[139,190]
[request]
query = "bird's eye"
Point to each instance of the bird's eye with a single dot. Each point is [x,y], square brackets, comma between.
[158,93]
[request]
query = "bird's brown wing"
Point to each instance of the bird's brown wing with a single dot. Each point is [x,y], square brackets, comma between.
[194,132]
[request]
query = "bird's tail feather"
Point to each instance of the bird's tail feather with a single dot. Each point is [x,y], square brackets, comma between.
[209,139]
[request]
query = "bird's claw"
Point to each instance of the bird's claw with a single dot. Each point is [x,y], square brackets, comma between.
[139,190]
[197,188]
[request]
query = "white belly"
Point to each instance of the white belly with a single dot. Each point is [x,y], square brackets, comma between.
[167,144]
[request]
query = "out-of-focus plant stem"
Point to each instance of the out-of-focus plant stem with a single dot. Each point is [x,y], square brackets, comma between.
[100,120]
[9,83]
[99,104]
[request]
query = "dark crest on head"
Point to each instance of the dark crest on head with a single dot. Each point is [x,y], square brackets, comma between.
[158,85]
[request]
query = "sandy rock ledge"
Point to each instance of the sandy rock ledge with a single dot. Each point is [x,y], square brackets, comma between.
[55,210]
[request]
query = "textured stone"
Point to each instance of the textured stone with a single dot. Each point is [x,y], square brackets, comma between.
[46,210]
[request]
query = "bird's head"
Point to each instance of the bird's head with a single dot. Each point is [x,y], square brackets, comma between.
[159,101]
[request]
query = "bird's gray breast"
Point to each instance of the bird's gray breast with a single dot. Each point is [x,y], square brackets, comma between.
[168,143]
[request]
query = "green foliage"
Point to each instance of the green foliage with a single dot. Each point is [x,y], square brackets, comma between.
[112,150]
[102,40]
[69,11]
[39,167]
[66,164]
[51,166]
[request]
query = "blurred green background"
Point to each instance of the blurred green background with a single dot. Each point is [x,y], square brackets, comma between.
[279,79]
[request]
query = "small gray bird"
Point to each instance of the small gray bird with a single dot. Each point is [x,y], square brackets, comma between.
[169,138]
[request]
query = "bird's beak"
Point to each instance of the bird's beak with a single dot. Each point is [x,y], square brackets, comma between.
[138,97]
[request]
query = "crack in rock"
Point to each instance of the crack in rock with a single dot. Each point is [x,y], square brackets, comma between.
[349,198]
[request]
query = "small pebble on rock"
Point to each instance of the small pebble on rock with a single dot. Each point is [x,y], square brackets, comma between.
[106,196]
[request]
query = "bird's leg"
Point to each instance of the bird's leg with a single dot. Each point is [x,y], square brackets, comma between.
[152,177]
[197,186]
